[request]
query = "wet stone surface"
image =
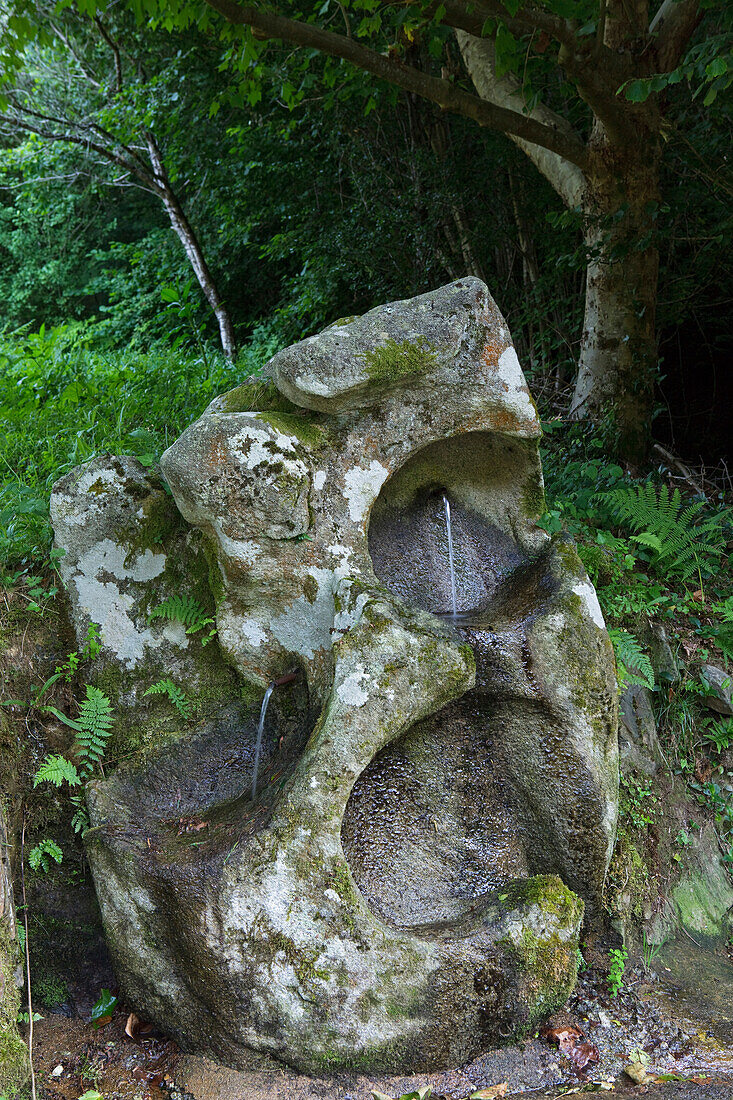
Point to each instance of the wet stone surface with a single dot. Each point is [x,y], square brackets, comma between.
[432,825]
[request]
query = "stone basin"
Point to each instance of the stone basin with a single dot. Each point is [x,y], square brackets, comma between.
[439,793]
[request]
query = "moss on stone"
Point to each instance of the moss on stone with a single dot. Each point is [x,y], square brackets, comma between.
[533,498]
[302,425]
[14,1068]
[302,961]
[391,360]
[628,881]
[257,395]
[99,487]
[549,892]
[160,523]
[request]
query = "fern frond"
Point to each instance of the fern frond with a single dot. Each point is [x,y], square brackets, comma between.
[80,820]
[634,667]
[185,609]
[93,727]
[176,695]
[57,770]
[680,542]
[40,857]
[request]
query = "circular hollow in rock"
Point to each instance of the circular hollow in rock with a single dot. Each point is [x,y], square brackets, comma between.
[433,823]
[484,477]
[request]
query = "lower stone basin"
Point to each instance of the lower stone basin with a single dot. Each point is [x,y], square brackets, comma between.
[434,825]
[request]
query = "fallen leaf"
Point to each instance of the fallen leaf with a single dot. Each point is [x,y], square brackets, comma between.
[584,1054]
[151,1077]
[492,1093]
[573,1044]
[637,1072]
[132,1027]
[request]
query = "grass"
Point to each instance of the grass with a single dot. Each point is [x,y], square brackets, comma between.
[62,402]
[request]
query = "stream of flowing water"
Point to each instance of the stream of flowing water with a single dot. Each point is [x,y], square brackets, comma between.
[451,563]
[258,745]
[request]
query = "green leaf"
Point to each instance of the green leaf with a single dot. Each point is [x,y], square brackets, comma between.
[105,1006]
[637,91]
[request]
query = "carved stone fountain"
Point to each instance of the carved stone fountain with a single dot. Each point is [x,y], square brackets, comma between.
[437,796]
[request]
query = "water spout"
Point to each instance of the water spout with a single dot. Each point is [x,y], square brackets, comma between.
[451,562]
[260,731]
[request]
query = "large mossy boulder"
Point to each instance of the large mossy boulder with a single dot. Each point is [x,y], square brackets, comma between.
[403,880]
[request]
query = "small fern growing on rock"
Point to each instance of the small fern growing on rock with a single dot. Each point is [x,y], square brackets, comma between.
[40,857]
[185,609]
[634,667]
[176,695]
[57,770]
[93,727]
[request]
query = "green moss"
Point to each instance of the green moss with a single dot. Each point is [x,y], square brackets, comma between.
[301,425]
[342,321]
[533,498]
[14,1069]
[50,990]
[341,881]
[160,523]
[391,361]
[628,881]
[549,892]
[302,961]
[257,395]
[99,487]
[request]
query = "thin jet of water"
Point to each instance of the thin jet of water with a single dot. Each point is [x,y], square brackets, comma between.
[451,563]
[260,731]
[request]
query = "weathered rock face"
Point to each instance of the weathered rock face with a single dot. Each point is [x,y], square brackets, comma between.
[397,893]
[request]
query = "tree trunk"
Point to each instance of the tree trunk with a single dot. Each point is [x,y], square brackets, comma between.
[618,357]
[184,231]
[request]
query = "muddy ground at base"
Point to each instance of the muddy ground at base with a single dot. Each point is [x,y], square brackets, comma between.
[679,1020]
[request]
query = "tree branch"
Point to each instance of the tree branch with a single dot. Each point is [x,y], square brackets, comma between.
[13,124]
[445,94]
[115,52]
[472,17]
[574,57]
[673,27]
[566,177]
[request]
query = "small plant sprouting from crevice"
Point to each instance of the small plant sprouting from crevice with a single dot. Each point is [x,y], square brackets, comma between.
[618,957]
[185,609]
[176,695]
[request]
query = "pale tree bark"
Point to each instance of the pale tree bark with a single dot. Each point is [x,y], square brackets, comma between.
[616,191]
[131,166]
[184,231]
[479,56]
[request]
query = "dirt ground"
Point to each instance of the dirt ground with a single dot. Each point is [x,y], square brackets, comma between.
[679,1020]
